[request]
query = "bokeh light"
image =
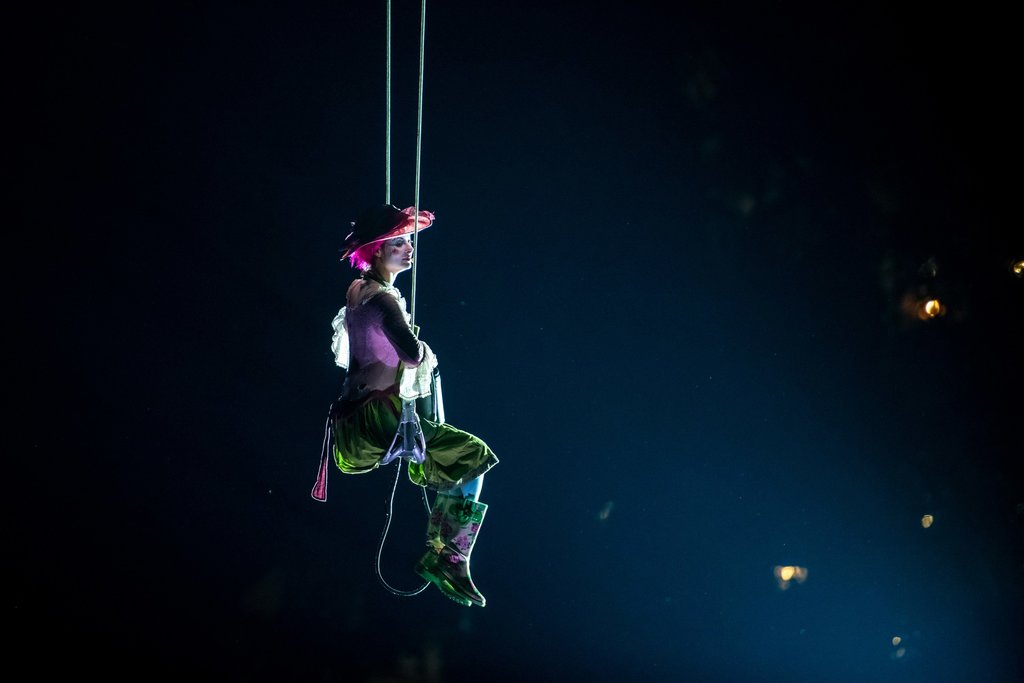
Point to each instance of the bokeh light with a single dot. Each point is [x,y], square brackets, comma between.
[926,521]
[930,308]
[785,574]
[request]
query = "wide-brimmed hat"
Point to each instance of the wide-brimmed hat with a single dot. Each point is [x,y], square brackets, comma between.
[383,222]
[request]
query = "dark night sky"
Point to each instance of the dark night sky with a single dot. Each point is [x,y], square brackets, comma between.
[668,282]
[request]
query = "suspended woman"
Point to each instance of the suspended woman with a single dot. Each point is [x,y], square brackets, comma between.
[387,363]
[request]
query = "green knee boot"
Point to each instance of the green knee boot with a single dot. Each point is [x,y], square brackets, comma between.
[451,534]
[426,567]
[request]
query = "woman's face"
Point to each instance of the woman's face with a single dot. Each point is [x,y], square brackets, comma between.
[396,254]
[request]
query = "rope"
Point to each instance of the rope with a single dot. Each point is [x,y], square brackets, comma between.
[419,131]
[387,115]
[419,145]
[415,244]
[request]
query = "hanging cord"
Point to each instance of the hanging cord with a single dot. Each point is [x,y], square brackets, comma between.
[384,535]
[415,241]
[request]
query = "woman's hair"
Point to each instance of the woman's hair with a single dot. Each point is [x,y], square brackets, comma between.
[362,258]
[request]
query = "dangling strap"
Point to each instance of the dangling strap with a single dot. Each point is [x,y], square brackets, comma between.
[319,491]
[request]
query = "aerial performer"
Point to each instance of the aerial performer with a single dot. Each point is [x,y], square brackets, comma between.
[388,407]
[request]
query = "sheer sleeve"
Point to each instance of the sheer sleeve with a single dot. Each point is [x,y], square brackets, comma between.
[397,329]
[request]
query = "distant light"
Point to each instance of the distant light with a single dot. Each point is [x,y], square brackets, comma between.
[932,308]
[786,573]
[926,521]
[900,652]
[896,640]
[1018,268]
[606,511]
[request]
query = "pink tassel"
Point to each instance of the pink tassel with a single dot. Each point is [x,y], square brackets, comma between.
[319,491]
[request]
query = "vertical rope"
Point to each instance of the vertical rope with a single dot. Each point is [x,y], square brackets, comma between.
[387,116]
[419,133]
[419,146]
[415,240]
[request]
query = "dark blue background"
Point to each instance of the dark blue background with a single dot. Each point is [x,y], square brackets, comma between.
[666,282]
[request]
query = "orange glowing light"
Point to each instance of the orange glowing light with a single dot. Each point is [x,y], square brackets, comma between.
[786,573]
[926,521]
[1018,268]
[931,308]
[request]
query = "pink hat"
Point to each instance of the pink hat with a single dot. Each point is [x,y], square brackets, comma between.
[384,222]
